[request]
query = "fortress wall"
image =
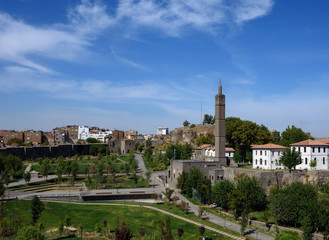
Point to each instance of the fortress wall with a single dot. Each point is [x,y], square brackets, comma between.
[47,151]
[281,178]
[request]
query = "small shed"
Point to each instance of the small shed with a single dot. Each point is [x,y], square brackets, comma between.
[34,174]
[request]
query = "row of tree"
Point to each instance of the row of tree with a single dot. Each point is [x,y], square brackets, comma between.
[296,205]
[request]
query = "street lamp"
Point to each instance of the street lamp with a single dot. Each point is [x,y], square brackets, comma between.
[81,230]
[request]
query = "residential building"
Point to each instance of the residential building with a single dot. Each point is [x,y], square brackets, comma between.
[83,133]
[312,150]
[162,131]
[72,133]
[9,134]
[267,156]
[210,152]
[130,133]
[60,135]
[34,137]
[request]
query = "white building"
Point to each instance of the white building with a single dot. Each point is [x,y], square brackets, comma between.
[100,136]
[312,150]
[210,152]
[162,131]
[83,132]
[267,156]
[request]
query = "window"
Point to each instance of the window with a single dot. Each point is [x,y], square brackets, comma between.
[273,153]
[279,153]
[324,149]
[256,161]
[305,160]
[304,149]
[324,160]
[298,149]
[313,149]
[261,152]
[265,162]
[256,152]
[265,152]
[318,149]
[260,161]
[217,177]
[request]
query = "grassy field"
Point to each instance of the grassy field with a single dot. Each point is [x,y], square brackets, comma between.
[90,215]
[121,182]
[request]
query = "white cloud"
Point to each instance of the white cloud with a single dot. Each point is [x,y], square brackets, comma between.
[175,16]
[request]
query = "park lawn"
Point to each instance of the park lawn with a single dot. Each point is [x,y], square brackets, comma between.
[120,182]
[89,215]
[38,168]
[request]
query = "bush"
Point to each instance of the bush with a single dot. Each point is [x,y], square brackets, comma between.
[287,235]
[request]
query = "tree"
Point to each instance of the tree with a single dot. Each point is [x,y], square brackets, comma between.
[276,137]
[67,221]
[74,171]
[168,193]
[92,140]
[186,123]
[135,178]
[2,189]
[243,222]
[313,163]
[292,135]
[290,158]
[148,143]
[27,176]
[127,169]
[236,201]
[180,232]
[237,156]
[36,209]
[295,205]
[208,119]
[165,230]
[220,192]
[209,138]
[148,176]
[45,168]
[60,169]
[202,229]
[122,232]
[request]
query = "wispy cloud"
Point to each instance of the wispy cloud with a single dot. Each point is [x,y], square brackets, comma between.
[173,17]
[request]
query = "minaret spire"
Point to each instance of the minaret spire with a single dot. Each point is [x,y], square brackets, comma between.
[220,87]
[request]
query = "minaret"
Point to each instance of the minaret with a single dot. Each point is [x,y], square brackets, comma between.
[220,126]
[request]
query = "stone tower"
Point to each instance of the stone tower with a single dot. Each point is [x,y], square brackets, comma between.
[220,126]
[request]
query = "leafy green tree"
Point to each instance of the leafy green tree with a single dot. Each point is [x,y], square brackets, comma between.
[208,119]
[122,232]
[168,193]
[186,123]
[135,178]
[127,169]
[45,167]
[60,227]
[27,176]
[295,205]
[253,191]
[205,139]
[248,156]
[15,141]
[313,163]
[192,125]
[181,181]
[187,151]
[243,222]
[74,171]
[148,176]
[292,135]
[165,229]
[92,140]
[148,143]
[220,192]
[236,201]
[36,209]
[237,156]
[276,137]
[60,169]
[290,158]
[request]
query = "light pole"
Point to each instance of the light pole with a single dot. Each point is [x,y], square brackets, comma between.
[81,230]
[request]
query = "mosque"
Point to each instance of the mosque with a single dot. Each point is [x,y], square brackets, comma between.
[213,169]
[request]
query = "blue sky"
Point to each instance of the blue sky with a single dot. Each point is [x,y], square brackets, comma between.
[141,64]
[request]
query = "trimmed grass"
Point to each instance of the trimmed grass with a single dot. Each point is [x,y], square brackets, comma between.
[89,215]
[120,182]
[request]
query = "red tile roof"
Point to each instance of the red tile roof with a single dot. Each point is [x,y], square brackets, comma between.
[268,146]
[203,146]
[309,142]
[324,140]
[229,150]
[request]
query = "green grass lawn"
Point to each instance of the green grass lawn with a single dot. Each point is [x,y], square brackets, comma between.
[90,215]
[120,182]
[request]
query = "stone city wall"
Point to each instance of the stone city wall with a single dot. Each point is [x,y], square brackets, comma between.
[281,178]
[47,151]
